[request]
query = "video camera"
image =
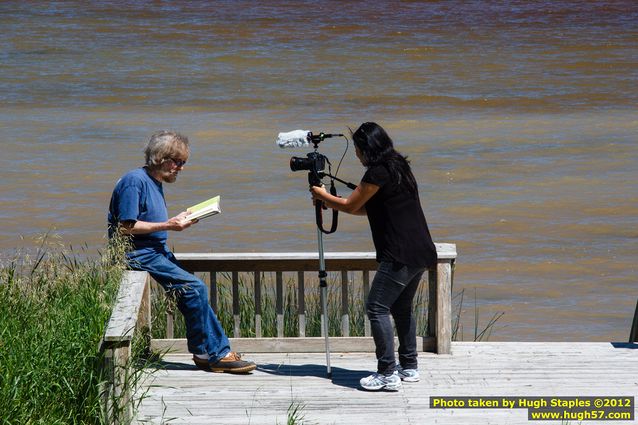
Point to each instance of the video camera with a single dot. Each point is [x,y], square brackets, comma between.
[314,163]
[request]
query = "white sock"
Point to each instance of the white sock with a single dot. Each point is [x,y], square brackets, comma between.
[201,356]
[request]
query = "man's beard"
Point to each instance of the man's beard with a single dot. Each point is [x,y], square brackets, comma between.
[170,177]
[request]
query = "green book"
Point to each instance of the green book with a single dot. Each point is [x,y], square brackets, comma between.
[204,209]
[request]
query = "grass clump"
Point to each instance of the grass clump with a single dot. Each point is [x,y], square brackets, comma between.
[53,311]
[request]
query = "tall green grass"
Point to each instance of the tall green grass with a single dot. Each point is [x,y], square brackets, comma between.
[53,311]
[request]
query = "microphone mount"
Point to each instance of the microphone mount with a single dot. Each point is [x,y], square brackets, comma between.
[315,139]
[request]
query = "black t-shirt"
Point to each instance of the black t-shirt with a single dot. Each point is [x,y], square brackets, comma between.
[399,230]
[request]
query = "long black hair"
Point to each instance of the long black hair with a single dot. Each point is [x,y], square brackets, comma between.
[376,148]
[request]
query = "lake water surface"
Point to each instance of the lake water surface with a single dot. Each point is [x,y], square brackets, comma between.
[519,118]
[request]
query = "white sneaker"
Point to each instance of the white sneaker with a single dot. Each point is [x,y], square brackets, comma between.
[377,382]
[408,375]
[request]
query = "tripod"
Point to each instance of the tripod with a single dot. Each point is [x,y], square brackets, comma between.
[314,178]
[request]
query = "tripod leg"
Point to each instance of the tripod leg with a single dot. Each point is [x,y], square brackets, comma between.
[323,290]
[324,306]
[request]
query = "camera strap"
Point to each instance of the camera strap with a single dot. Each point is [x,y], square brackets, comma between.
[319,212]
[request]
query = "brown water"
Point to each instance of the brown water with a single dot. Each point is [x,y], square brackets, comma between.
[520,121]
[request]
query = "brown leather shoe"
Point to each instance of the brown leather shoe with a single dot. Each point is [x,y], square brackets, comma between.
[232,363]
[201,364]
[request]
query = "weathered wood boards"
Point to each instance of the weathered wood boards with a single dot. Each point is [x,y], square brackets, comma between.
[131,311]
[186,395]
[287,261]
[292,345]
[125,312]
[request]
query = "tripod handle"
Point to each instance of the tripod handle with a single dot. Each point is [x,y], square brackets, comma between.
[349,185]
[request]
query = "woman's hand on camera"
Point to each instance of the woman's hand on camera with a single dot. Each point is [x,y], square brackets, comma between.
[318,193]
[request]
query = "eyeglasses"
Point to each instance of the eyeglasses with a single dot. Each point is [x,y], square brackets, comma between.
[178,162]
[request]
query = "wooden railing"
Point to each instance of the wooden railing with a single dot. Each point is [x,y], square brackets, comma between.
[439,309]
[133,311]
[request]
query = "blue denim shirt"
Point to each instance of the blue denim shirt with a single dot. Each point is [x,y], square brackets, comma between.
[138,196]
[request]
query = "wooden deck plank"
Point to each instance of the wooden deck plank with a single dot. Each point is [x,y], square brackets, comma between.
[182,394]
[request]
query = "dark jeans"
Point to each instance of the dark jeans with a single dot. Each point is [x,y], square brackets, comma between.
[392,291]
[204,333]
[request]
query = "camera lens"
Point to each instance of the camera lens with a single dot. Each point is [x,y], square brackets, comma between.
[297,163]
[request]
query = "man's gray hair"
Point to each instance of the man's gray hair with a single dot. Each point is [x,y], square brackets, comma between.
[163,145]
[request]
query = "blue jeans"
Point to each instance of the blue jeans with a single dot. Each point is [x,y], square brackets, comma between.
[392,292]
[204,333]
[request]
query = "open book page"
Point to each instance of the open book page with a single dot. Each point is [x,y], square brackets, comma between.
[204,209]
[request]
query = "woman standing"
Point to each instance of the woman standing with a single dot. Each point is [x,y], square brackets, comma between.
[388,195]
